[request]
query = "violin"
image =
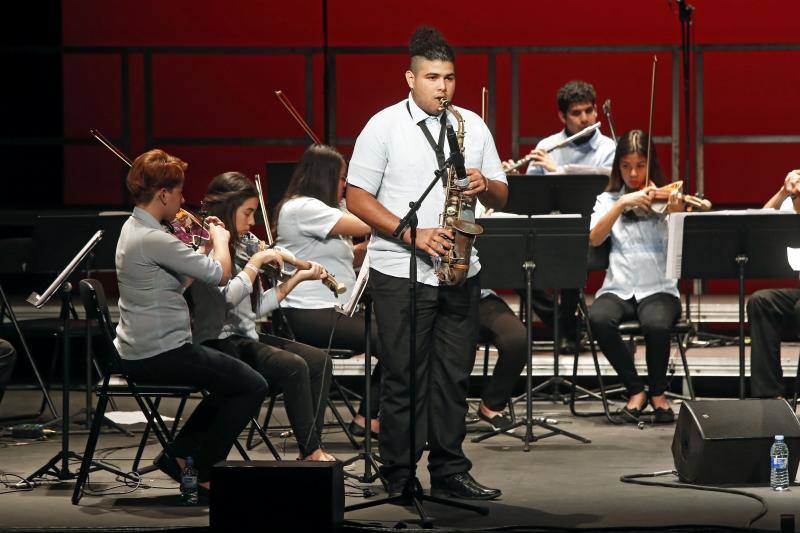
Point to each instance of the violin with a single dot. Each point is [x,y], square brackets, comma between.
[660,195]
[186,226]
[251,244]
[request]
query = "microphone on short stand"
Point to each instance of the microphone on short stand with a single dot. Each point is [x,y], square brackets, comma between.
[457,159]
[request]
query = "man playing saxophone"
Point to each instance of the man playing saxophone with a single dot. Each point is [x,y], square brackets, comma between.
[394,160]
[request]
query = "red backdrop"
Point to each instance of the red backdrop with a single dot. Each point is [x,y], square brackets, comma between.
[196,77]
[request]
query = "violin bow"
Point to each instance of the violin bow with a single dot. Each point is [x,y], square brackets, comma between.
[108,144]
[650,127]
[607,113]
[284,100]
[270,241]
[485,105]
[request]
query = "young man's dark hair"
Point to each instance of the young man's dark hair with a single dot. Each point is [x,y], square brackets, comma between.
[575,92]
[428,43]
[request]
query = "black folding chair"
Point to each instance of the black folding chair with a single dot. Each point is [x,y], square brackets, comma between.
[598,260]
[116,382]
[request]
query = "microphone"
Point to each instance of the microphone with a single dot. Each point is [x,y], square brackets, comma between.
[457,159]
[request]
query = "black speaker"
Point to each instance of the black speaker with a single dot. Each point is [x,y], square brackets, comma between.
[728,441]
[277,496]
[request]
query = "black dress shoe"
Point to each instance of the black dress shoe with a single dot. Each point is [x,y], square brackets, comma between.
[359,431]
[663,416]
[463,486]
[398,487]
[630,415]
[167,464]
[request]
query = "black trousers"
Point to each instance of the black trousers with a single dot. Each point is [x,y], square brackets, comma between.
[8,356]
[313,326]
[542,303]
[300,371]
[773,314]
[235,392]
[446,336]
[500,326]
[657,314]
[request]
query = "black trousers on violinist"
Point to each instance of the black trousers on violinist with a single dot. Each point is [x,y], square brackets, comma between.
[500,326]
[301,372]
[657,314]
[568,307]
[774,314]
[235,392]
[314,326]
[446,335]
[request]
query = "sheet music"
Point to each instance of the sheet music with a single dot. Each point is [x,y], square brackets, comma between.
[349,308]
[572,168]
[675,233]
[38,301]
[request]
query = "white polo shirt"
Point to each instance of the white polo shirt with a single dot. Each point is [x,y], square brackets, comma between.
[393,161]
[598,151]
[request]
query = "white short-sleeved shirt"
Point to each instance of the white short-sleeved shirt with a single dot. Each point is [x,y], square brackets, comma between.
[303,227]
[598,151]
[393,161]
[153,268]
[638,259]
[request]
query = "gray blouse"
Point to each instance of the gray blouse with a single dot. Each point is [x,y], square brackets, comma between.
[153,268]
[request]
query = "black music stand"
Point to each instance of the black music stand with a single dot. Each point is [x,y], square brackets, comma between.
[532,194]
[371,470]
[64,287]
[63,235]
[745,245]
[547,251]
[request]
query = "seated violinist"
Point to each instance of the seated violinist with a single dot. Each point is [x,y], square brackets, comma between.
[154,338]
[773,313]
[225,319]
[635,286]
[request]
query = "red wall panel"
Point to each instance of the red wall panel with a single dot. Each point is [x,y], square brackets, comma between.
[92,89]
[225,95]
[95,176]
[192,22]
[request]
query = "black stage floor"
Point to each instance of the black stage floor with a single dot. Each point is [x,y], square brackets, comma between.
[560,483]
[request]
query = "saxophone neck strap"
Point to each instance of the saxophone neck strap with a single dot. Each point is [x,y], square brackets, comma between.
[438,147]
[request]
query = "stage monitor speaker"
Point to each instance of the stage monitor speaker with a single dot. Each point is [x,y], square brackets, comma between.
[728,441]
[277,496]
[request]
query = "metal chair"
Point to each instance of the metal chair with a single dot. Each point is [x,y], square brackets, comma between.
[116,382]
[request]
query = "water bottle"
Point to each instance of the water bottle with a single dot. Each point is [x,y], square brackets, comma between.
[779,464]
[189,483]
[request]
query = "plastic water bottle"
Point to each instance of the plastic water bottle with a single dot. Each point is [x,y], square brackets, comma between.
[189,483]
[779,464]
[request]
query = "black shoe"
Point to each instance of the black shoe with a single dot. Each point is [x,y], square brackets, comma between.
[359,431]
[569,345]
[463,486]
[498,422]
[470,418]
[167,464]
[631,416]
[663,416]
[399,487]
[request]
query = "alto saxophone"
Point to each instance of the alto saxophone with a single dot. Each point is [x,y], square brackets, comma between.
[458,215]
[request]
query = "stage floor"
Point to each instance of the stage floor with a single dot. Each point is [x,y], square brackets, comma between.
[559,483]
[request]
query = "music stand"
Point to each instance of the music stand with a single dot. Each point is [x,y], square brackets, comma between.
[65,289]
[349,309]
[553,247]
[532,194]
[746,244]
[50,259]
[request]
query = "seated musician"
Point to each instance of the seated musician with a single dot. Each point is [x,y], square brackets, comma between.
[773,313]
[577,110]
[154,338]
[309,223]
[301,372]
[635,286]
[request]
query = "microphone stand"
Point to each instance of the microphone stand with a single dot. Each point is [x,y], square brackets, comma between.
[413,494]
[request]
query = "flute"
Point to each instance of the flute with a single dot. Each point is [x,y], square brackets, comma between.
[527,159]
